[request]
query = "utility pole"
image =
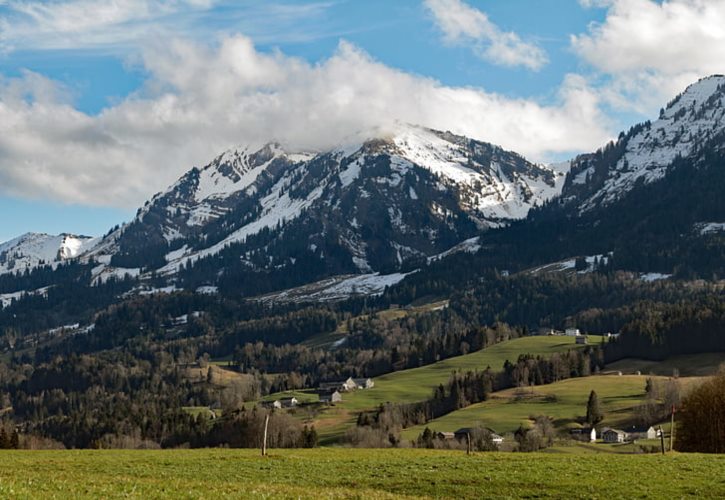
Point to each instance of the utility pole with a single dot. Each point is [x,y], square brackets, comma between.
[672,429]
[264,439]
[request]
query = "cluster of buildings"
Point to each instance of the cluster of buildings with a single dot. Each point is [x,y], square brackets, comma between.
[281,403]
[463,433]
[581,338]
[610,435]
[330,392]
[630,434]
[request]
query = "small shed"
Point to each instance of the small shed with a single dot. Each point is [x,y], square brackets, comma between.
[614,436]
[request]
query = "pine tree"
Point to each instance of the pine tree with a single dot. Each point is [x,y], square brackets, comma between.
[594,412]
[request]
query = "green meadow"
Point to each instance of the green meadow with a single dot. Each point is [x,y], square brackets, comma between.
[348,473]
[564,401]
[417,384]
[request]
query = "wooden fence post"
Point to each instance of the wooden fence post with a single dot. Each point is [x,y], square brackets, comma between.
[264,438]
[672,429]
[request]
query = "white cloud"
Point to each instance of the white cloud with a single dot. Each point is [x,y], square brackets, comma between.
[652,50]
[121,26]
[596,3]
[86,23]
[201,100]
[462,24]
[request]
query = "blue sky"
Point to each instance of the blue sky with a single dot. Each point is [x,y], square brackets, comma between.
[101,106]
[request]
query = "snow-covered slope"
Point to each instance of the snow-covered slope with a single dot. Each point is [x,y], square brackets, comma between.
[336,289]
[34,249]
[409,193]
[689,122]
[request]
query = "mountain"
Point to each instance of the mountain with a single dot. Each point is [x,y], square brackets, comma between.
[35,249]
[651,201]
[288,218]
[692,123]
[259,220]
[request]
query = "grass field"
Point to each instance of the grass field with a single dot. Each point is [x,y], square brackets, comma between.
[348,473]
[417,384]
[564,401]
[691,365]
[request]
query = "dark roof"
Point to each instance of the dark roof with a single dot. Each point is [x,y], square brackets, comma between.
[464,430]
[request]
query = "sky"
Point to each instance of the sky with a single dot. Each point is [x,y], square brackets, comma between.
[103,104]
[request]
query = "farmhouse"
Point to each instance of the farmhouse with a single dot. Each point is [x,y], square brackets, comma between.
[348,385]
[331,397]
[272,404]
[463,433]
[613,436]
[572,332]
[364,383]
[641,432]
[584,434]
[289,402]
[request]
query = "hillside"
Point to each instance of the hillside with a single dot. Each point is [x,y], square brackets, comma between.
[564,401]
[417,384]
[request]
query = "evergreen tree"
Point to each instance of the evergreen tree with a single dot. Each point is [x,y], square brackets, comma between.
[594,412]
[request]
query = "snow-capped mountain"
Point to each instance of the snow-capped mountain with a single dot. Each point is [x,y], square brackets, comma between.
[361,208]
[34,249]
[259,220]
[692,121]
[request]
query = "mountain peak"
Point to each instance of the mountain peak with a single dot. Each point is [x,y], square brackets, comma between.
[697,95]
[32,249]
[692,119]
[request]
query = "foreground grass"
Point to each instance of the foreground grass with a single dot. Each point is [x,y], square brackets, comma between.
[347,473]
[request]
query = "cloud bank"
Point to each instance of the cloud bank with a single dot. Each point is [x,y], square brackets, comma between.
[200,100]
[653,50]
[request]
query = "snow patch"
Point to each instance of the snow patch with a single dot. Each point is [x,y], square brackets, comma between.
[650,277]
[710,227]
[337,288]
